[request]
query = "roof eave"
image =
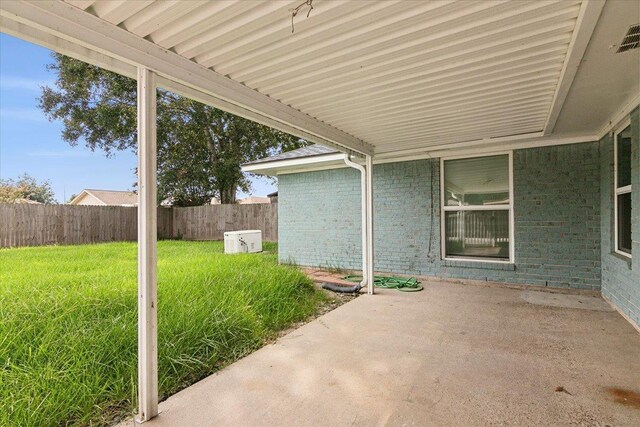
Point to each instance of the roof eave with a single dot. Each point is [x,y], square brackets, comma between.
[273,168]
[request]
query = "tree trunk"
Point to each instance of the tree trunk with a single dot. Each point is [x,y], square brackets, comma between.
[228,195]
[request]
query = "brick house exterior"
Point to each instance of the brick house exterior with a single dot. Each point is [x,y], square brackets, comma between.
[563,221]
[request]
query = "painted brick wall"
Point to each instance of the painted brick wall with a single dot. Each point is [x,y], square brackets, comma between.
[319,218]
[557,215]
[621,276]
[557,219]
[402,217]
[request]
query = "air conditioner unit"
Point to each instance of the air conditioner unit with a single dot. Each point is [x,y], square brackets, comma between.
[243,241]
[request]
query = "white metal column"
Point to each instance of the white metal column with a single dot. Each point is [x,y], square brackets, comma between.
[147,250]
[369,167]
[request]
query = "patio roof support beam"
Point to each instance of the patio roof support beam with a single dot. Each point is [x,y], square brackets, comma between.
[586,23]
[70,24]
[369,168]
[147,248]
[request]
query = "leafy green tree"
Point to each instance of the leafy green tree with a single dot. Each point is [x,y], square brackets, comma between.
[25,188]
[200,148]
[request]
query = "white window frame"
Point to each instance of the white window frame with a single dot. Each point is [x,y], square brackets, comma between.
[508,207]
[618,191]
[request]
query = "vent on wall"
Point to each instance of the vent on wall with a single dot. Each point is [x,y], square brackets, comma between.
[631,40]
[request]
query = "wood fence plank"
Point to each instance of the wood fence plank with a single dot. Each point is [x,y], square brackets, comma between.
[34,225]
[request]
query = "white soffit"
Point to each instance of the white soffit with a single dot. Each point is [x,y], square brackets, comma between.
[399,75]
[606,81]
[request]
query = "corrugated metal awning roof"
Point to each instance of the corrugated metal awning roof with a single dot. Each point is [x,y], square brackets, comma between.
[396,74]
[391,78]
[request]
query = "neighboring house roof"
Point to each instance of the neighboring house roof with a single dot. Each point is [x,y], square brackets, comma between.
[254,200]
[107,197]
[308,151]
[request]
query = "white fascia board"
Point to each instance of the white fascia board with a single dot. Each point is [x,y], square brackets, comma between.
[323,167]
[457,145]
[303,163]
[65,47]
[68,23]
[483,146]
[588,16]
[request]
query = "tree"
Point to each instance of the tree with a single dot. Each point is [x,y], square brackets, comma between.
[200,148]
[25,188]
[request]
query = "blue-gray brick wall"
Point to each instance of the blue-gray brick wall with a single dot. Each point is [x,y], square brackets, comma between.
[621,276]
[557,215]
[556,209]
[319,218]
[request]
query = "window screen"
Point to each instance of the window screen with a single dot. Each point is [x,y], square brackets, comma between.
[477,208]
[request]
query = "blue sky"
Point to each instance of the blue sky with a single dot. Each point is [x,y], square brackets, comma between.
[30,143]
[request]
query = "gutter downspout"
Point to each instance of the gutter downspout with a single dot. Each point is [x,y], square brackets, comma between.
[369,213]
[363,192]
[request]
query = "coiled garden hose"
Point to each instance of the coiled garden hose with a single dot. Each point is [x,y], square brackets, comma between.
[390,282]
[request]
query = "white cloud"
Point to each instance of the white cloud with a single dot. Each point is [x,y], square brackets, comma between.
[22,83]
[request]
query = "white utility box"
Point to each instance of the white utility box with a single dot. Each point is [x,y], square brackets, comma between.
[243,241]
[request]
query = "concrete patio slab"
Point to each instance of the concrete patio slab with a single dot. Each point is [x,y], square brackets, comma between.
[585,301]
[451,355]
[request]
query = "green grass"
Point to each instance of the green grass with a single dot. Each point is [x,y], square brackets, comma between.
[68,323]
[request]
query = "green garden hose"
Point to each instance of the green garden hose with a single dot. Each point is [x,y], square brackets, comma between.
[390,282]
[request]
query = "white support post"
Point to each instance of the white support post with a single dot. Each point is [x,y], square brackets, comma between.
[369,167]
[147,250]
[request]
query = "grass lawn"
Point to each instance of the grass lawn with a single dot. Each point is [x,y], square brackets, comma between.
[68,323]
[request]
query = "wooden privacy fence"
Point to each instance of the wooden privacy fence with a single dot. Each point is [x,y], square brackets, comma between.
[36,225]
[210,222]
